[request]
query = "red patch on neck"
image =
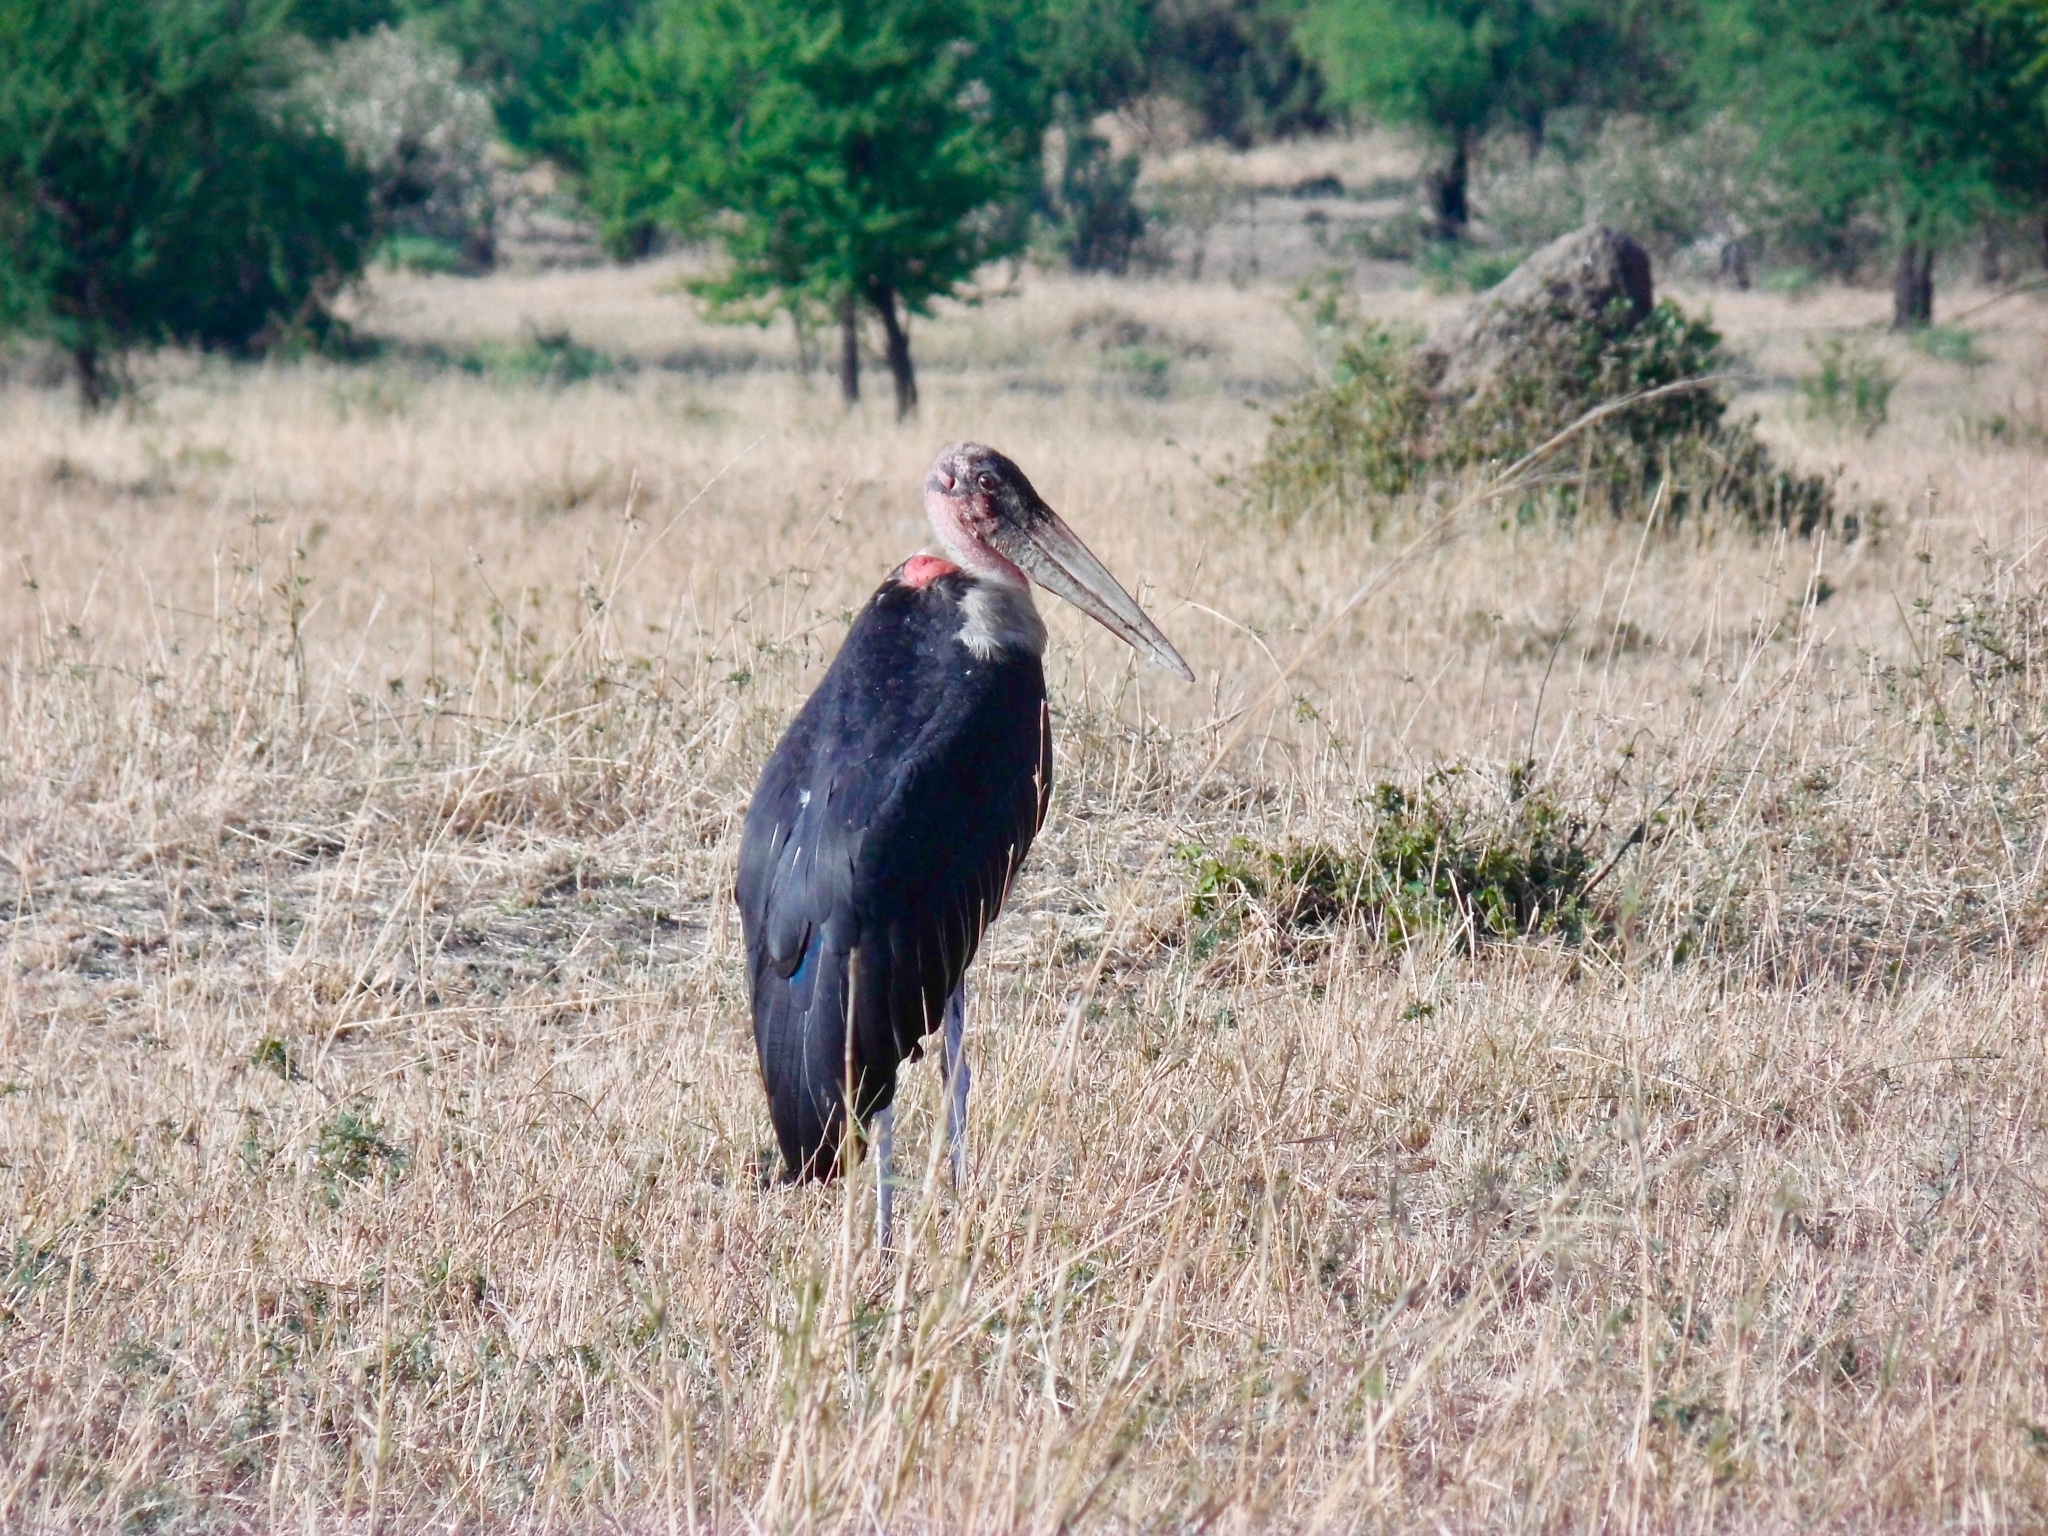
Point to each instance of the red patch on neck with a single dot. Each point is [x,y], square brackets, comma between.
[920,571]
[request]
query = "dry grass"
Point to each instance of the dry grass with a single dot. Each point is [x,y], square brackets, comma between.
[378,1123]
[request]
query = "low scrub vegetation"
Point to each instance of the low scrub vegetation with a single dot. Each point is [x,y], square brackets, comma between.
[1374,429]
[1432,863]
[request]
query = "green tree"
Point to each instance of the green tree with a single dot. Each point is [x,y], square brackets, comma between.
[328,21]
[154,184]
[1452,69]
[1456,70]
[856,153]
[1918,115]
[529,54]
[1237,65]
[1079,59]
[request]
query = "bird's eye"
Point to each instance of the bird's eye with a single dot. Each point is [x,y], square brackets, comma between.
[988,481]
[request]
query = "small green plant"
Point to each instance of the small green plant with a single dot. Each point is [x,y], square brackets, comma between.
[547,357]
[1794,282]
[421,253]
[2002,430]
[1431,864]
[1850,387]
[279,1057]
[1401,237]
[1450,267]
[352,1152]
[1145,371]
[1951,344]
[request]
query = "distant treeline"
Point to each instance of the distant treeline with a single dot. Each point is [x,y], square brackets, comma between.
[213,172]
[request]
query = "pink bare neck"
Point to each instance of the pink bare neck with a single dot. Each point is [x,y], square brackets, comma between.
[952,518]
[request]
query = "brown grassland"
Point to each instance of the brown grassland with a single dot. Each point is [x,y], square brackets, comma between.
[380,1139]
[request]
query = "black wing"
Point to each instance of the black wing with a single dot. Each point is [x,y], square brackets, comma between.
[878,848]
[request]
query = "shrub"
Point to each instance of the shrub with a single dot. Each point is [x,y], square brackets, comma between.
[1363,431]
[1572,365]
[1850,388]
[1431,864]
[551,357]
[1191,201]
[1100,225]
[420,253]
[1449,266]
[1374,427]
[398,104]
[158,183]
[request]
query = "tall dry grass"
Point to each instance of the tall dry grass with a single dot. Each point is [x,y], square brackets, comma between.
[379,1131]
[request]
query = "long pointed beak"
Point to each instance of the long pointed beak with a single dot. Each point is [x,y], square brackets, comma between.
[1054,556]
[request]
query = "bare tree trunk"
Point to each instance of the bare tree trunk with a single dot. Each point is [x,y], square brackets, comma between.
[92,378]
[849,350]
[1991,260]
[1735,263]
[884,300]
[1447,188]
[806,344]
[1913,287]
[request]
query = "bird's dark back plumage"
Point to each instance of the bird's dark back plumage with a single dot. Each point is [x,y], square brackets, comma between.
[880,843]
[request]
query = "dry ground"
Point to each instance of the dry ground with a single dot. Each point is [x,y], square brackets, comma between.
[379,1135]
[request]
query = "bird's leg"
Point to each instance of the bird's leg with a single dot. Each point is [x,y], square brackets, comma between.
[883,1129]
[954,1064]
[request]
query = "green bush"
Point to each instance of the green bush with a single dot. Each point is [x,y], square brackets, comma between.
[1099,225]
[158,185]
[1849,389]
[1431,864]
[1363,431]
[1571,365]
[421,253]
[1952,344]
[1457,266]
[1374,428]
[546,357]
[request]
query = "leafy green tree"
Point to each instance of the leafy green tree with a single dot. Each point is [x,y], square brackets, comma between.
[529,54]
[1238,66]
[1456,70]
[1920,115]
[1452,69]
[1068,59]
[155,185]
[858,153]
[327,21]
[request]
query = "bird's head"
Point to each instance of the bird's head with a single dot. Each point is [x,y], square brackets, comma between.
[992,523]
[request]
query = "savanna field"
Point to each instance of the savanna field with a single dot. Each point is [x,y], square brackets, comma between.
[1546,1035]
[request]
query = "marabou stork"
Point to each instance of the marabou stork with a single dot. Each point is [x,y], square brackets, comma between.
[896,809]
